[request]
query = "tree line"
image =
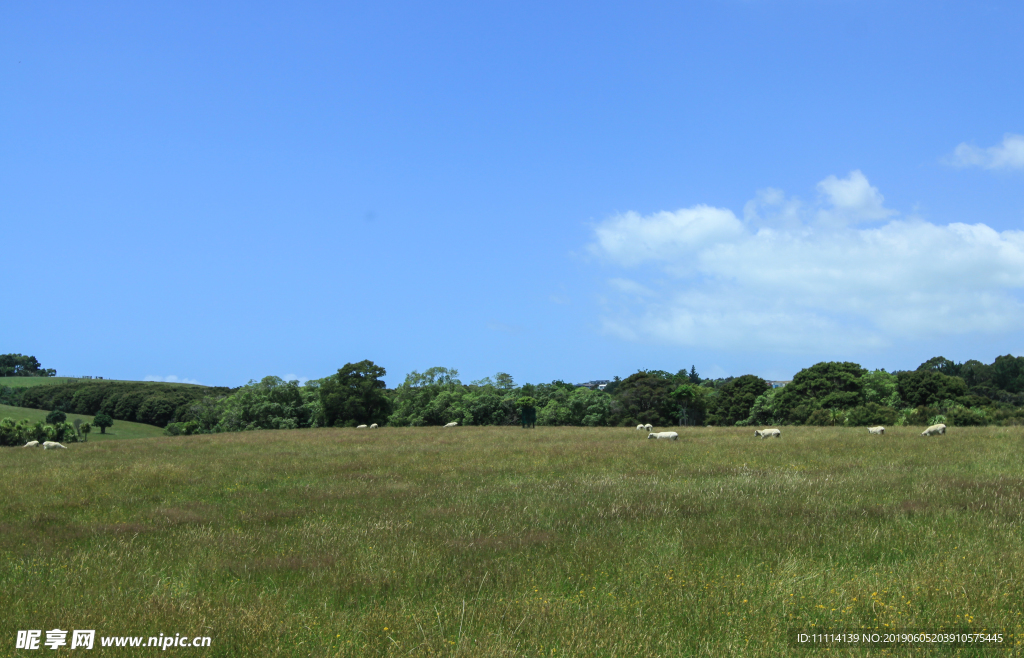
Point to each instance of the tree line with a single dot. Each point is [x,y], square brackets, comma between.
[21,365]
[827,393]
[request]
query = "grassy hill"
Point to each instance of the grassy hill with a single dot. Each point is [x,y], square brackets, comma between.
[498,541]
[25,382]
[120,430]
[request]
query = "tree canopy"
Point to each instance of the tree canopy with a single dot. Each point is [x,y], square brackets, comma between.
[355,395]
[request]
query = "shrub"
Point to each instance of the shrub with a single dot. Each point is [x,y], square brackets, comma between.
[964,417]
[871,414]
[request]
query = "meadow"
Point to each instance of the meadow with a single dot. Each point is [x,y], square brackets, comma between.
[500,541]
[121,429]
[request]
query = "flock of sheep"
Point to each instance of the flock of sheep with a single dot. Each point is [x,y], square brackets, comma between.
[672,436]
[46,445]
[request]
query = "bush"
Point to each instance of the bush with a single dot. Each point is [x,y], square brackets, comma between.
[871,414]
[921,416]
[964,417]
[9,432]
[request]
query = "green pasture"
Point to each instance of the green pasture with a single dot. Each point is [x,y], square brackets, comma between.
[25,382]
[120,430]
[499,541]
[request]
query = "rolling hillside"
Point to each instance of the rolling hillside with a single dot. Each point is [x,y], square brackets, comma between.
[121,429]
[26,382]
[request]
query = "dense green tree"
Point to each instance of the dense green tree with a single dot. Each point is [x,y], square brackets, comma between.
[1008,373]
[103,421]
[763,411]
[589,407]
[355,395]
[829,385]
[691,403]
[503,381]
[271,403]
[928,387]
[646,397]
[56,416]
[120,400]
[159,409]
[975,373]
[943,365]
[413,397]
[881,387]
[22,365]
[736,398]
[85,429]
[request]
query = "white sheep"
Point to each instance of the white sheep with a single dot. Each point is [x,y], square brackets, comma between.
[451,424]
[641,427]
[664,435]
[48,445]
[934,429]
[648,427]
[374,426]
[360,427]
[764,434]
[876,430]
[30,444]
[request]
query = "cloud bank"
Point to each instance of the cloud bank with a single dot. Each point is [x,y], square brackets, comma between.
[1008,155]
[803,279]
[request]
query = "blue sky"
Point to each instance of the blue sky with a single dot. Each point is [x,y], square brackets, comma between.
[216,192]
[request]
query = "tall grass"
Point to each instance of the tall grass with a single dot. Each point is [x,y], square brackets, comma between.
[509,542]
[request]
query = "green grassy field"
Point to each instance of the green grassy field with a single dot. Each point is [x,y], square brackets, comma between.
[511,542]
[120,430]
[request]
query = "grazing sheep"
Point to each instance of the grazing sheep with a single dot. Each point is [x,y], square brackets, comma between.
[648,427]
[47,445]
[934,429]
[374,426]
[764,434]
[640,427]
[451,424]
[360,427]
[664,435]
[876,430]
[30,444]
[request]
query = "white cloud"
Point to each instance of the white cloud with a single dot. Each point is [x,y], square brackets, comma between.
[852,199]
[1008,155]
[631,239]
[810,285]
[173,379]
